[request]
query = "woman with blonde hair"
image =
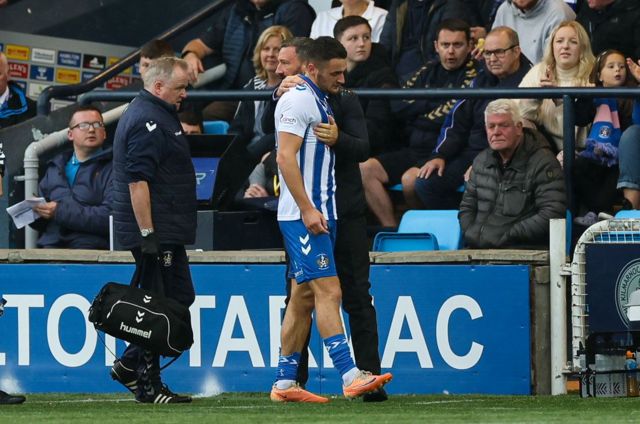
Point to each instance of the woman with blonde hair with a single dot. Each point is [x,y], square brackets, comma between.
[247,120]
[567,62]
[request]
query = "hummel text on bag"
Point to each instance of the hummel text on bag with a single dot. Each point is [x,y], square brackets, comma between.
[136,331]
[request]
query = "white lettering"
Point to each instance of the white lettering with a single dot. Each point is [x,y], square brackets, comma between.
[53,331]
[406,310]
[201,302]
[472,357]
[23,302]
[237,311]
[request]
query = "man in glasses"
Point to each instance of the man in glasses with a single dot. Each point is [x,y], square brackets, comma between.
[77,188]
[463,135]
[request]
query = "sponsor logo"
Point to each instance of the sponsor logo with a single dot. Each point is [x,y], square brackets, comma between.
[322,260]
[117,82]
[87,75]
[18,70]
[305,247]
[92,61]
[146,298]
[35,88]
[151,126]
[139,316]
[288,120]
[41,73]
[43,55]
[69,59]
[135,331]
[14,51]
[628,282]
[67,76]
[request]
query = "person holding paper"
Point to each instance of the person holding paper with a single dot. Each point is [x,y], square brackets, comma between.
[78,189]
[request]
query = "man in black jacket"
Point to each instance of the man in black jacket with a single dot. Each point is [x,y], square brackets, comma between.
[351,145]
[423,120]
[154,208]
[516,185]
[612,24]
[463,135]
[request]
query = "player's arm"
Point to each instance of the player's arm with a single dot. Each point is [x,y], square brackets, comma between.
[288,147]
[141,203]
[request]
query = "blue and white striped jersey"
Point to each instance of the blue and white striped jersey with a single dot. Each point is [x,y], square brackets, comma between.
[297,112]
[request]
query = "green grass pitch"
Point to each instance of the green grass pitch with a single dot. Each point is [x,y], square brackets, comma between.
[257,408]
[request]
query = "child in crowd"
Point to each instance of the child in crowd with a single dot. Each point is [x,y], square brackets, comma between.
[596,167]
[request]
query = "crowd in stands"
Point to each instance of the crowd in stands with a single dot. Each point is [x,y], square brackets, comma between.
[433,147]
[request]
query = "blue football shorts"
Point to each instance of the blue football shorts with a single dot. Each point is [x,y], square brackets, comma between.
[310,256]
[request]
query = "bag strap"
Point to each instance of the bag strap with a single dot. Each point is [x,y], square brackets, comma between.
[175,358]
[149,270]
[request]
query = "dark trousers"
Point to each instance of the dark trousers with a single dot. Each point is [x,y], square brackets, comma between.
[176,278]
[352,263]
[595,185]
[438,192]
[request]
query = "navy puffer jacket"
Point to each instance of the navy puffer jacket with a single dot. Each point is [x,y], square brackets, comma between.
[149,146]
[81,219]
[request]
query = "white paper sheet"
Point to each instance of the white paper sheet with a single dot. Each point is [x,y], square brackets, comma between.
[22,213]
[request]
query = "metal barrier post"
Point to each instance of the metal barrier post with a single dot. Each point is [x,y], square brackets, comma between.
[557,306]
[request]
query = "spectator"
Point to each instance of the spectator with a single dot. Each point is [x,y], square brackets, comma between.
[15,106]
[424,118]
[612,24]
[153,50]
[484,13]
[463,134]
[596,167]
[247,123]
[410,31]
[629,153]
[515,187]
[191,122]
[326,21]
[77,188]
[567,62]
[236,31]
[264,180]
[367,67]
[533,20]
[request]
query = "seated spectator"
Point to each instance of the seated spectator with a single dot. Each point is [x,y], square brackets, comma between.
[567,62]
[236,30]
[153,50]
[463,135]
[410,31]
[77,188]
[15,106]
[515,187]
[233,35]
[191,122]
[629,153]
[596,167]
[367,67]
[423,117]
[247,123]
[326,21]
[533,20]
[612,24]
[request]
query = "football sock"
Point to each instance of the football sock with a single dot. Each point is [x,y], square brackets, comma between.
[341,357]
[287,370]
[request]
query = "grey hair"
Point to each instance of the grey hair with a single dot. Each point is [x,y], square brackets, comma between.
[504,106]
[161,69]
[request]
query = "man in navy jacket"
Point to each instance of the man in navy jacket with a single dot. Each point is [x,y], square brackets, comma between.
[77,188]
[154,208]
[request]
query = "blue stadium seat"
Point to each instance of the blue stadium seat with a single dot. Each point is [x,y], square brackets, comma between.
[215,127]
[628,213]
[443,225]
[399,242]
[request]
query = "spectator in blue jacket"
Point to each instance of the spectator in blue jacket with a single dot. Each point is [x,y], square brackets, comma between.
[77,188]
[15,106]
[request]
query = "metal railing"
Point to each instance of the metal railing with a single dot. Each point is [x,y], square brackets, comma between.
[59,91]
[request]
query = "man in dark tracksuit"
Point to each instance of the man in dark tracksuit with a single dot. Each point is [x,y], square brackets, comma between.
[15,106]
[351,248]
[155,208]
[463,135]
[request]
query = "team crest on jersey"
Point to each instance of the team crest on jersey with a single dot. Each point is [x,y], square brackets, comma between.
[322,261]
[628,282]
[288,120]
[167,258]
